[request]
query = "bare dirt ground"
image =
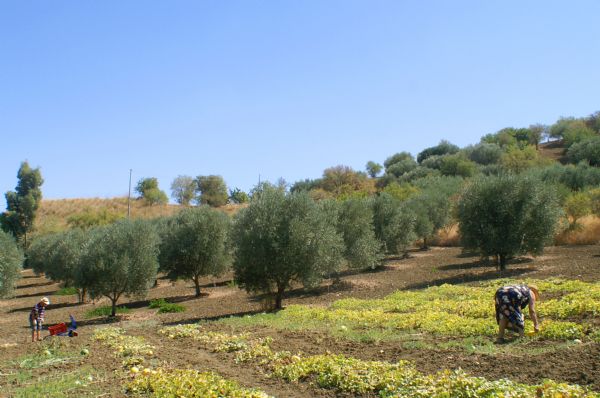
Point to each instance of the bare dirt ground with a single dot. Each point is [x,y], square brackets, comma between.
[574,364]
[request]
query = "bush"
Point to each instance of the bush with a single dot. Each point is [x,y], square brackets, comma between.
[585,151]
[67,291]
[165,307]
[485,153]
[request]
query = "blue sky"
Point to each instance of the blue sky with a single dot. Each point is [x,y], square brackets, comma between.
[286,89]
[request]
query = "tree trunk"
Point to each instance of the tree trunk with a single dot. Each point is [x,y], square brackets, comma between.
[113,311]
[425,247]
[279,298]
[502,258]
[81,295]
[197,285]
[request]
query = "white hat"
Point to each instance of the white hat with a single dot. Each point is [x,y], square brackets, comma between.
[45,300]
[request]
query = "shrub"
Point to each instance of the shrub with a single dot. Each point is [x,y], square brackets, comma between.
[11,261]
[585,151]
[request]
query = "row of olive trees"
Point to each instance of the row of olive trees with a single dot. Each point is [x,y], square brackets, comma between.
[11,262]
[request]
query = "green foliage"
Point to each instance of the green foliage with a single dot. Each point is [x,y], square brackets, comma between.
[165,307]
[394,224]
[507,215]
[93,218]
[373,169]
[212,190]
[197,245]
[11,261]
[433,206]
[281,238]
[402,191]
[443,148]
[485,153]
[577,205]
[517,159]
[577,131]
[183,189]
[585,151]
[121,260]
[355,224]
[22,204]
[106,310]
[576,177]
[66,291]
[305,185]
[238,196]
[458,165]
[399,164]
[148,190]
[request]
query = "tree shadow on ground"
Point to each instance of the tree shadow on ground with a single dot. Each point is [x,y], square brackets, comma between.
[471,277]
[35,285]
[467,254]
[39,294]
[215,318]
[217,284]
[50,308]
[481,264]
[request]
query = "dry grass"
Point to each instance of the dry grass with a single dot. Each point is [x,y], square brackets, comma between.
[53,214]
[588,233]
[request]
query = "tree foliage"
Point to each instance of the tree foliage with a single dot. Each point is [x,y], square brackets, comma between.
[577,205]
[373,169]
[443,148]
[183,189]
[147,189]
[585,151]
[121,260]
[11,262]
[393,223]
[283,238]
[22,203]
[507,215]
[197,245]
[238,196]
[485,153]
[343,181]
[212,190]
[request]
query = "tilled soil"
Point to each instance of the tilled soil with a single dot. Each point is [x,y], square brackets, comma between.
[220,298]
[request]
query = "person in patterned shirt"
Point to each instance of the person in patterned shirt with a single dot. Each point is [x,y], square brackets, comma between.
[36,317]
[509,301]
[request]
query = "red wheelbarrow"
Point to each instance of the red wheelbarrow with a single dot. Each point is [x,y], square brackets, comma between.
[64,330]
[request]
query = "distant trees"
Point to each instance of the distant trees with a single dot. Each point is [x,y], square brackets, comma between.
[577,205]
[147,188]
[399,163]
[183,189]
[11,260]
[585,151]
[443,148]
[507,215]
[344,181]
[121,260]
[373,169]
[238,196]
[212,190]
[22,204]
[283,238]
[197,245]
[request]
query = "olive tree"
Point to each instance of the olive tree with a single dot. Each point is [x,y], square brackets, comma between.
[196,245]
[121,260]
[148,189]
[11,261]
[281,239]
[394,224]
[183,189]
[507,215]
[211,190]
[577,205]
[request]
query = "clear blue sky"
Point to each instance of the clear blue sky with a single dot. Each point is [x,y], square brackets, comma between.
[90,89]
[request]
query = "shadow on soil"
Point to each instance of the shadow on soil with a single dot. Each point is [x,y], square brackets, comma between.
[465,278]
[39,294]
[36,284]
[51,307]
[215,318]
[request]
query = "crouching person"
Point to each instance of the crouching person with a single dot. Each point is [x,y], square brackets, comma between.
[509,301]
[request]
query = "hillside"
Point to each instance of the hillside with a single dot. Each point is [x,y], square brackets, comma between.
[53,215]
[554,150]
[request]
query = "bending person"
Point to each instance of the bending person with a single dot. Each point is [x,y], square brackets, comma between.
[510,300]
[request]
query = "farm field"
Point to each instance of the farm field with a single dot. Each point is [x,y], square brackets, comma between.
[405,330]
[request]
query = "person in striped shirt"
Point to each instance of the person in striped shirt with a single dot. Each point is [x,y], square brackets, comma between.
[36,317]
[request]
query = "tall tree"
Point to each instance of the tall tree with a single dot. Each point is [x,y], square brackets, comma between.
[197,245]
[283,238]
[507,215]
[373,168]
[182,189]
[22,204]
[212,190]
[11,261]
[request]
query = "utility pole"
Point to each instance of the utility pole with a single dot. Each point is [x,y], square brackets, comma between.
[129,196]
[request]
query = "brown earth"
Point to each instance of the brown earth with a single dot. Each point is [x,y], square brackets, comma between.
[574,363]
